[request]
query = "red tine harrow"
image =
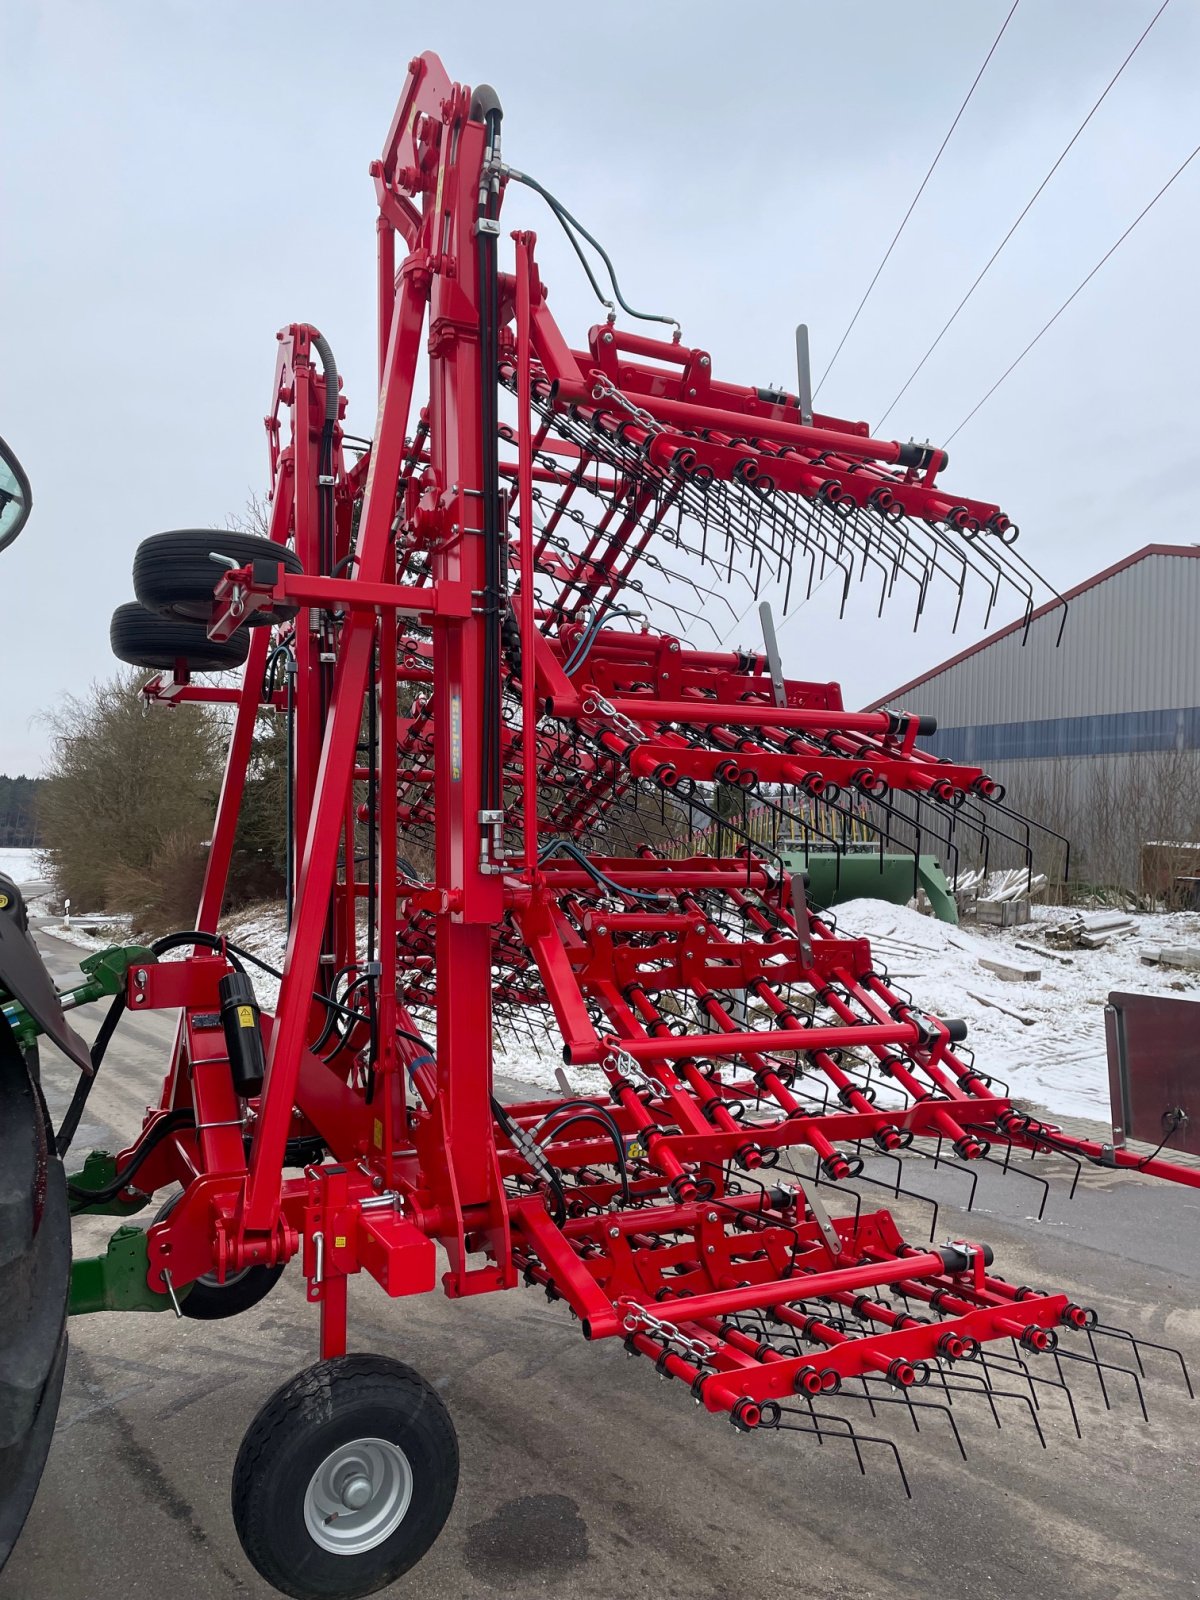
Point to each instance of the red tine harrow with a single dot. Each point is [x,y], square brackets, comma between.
[512,751]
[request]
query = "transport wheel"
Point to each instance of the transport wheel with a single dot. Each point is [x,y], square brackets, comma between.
[345,1478]
[174,573]
[144,639]
[210,1300]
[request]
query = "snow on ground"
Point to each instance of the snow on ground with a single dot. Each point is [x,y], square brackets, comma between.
[22,866]
[261,930]
[1044,1037]
[1052,1052]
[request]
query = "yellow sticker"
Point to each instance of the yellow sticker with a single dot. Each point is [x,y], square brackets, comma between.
[245,1016]
[635,1151]
[339,1241]
[377,1133]
[3,901]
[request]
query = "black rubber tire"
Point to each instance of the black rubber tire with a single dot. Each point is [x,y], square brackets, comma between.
[35,1276]
[143,639]
[174,573]
[328,1405]
[207,1300]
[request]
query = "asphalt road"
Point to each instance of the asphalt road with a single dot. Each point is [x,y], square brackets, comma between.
[585,1477]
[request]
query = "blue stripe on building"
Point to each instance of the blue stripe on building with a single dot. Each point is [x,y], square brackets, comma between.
[1116,733]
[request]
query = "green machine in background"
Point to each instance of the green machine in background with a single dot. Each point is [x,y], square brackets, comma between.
[866,873]
[835,877]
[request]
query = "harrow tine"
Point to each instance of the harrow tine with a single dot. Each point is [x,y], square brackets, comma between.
[898,1189]
[913,1406]
[850,1434]
[1108,1366]
[1032,1177]
[1002,1394]
[1139,1344]
[1033,1378]
[939,1160]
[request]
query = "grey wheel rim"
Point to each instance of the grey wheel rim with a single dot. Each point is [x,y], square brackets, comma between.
[358,1496]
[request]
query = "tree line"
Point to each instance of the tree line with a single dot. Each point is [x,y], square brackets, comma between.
[18,812]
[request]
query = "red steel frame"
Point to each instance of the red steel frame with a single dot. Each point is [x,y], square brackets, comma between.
[680,978]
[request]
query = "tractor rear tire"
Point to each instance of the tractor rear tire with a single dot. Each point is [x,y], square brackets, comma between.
[174,573]
[345,1478]
[142,639]
[35,1275]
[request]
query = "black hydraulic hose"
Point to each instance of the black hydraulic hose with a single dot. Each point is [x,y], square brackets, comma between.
[326,541]
[289,800]
[539,1162]
[183,1117]
[70,1122]
[235,954]
[331,1017]
[568,223]
[329,368]
[586,1111]
[286,654]
[568,847]
[487,230]
[372,873]
[344,1011]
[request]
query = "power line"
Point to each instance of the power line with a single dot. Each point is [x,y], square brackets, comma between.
[916,197]
[1045,329]
[1028,207]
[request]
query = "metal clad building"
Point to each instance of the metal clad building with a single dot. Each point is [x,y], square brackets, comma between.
[1122,687]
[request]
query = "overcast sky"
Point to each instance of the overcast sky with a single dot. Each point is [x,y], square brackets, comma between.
[180,179]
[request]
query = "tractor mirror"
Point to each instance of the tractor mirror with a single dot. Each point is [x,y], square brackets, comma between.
[16,500]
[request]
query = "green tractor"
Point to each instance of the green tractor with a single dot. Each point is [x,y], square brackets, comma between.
[35,1221]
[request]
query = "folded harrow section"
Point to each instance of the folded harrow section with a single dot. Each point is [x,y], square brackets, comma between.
[531,801]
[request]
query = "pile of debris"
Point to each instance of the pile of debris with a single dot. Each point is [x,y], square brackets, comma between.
[1001,899]
[1184,956]
[1090,931]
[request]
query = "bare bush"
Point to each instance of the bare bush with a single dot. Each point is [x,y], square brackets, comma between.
[1109,807]
[125,790]
[163,895]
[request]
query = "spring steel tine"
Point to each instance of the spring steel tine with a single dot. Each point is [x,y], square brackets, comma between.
[940,1160]
[985,1362]
[1007,1394]
[913,1406]
[1033,1378]
[1087,1333]
[866,1395]
[1019,1172]
[1017,1367]
[1108,1366]
[1138,1343]
[898,1189]
[851,1435]
[964,1384]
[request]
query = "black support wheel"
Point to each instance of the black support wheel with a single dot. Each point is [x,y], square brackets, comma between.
[143,639]
[345,1478]
[174,574]
[210,1300]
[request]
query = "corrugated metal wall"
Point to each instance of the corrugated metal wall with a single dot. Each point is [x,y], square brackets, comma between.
[1132,643]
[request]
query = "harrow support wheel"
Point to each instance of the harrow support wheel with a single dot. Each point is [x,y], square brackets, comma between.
[143,639]
[345,1478]
[174,573]
[210,1300]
